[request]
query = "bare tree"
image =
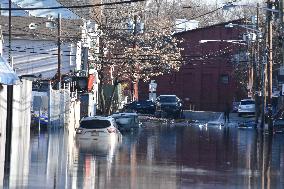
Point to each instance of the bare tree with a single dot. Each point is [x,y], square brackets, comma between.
[132,52]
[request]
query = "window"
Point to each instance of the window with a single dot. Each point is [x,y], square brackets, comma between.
[165,99]
[247,102]
[95,124]
[224,79]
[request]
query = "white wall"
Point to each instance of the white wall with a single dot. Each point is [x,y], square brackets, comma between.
[20,131]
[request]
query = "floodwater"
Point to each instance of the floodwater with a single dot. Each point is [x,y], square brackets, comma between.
[158,156]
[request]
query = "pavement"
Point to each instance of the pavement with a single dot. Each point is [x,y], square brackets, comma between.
[213,116]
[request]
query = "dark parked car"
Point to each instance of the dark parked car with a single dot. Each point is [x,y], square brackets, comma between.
[168,106]
[141,106]
[278,121]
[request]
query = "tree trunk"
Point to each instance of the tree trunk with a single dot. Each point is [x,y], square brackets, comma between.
[102,101]
[110,102]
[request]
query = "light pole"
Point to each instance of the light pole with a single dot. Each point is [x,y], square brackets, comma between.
[269,66]
[269,61]
[255,87]
[59,50]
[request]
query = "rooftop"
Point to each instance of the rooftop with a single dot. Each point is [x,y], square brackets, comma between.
[70,29]
[90,13]
[238,21]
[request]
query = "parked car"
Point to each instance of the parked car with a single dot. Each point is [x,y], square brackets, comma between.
[168,106]
[278,121]
[247,124]
[247,106]
[100,128]
[126,121]
[141,106]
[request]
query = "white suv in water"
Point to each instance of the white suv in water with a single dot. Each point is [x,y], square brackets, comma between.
[98,128]
[247,106]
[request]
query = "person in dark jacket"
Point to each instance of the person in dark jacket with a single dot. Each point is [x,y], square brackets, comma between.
[227,113]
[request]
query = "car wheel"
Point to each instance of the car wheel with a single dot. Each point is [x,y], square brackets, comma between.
[158,114]
[164,114]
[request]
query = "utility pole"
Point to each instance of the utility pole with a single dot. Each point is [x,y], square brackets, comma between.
[134,85]
[9,118]
[269,66]
[59,50]
[281,17]
[256,69]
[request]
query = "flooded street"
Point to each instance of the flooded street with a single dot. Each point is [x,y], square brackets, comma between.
[158,155]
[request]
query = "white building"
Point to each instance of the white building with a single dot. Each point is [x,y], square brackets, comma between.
[185,25]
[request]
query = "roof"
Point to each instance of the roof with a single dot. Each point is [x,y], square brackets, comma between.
[7,75]
[124,114]
[243,20]
[169,95]
[65,13]
[70,29]
[248,99]
[97,117]
[89,13]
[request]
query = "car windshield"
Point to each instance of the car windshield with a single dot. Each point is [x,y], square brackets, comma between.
[167,99]
[145,102]
[94,124]
[247,102]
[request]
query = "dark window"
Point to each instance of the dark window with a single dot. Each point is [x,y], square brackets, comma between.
[95,124]
[167,99]
[247,102]
[224,79]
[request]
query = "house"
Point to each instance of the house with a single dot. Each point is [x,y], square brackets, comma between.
[36,36]
[206,80]
[34,51]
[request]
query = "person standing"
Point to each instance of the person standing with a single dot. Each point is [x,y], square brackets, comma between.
[227,113]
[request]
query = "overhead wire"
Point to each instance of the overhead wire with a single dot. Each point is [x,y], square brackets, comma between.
[73,7]
[195,17]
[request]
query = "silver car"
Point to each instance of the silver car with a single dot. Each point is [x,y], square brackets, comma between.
[126,121]
[247,106]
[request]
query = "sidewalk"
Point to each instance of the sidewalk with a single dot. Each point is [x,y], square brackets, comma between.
[211,116]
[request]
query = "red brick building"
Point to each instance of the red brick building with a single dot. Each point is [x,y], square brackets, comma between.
[205,82]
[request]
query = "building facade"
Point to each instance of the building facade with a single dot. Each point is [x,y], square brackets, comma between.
[206,80]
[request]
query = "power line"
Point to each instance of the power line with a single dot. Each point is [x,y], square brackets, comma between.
[72,7]
[199,16]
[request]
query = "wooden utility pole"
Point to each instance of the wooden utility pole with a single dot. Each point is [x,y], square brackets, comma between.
[135,82]
[281,18]
[269,65]
[59,50]
[9,118]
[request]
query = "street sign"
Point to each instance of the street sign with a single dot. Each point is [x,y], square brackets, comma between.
[152,86]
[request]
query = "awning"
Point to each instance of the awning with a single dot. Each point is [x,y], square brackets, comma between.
[7,75]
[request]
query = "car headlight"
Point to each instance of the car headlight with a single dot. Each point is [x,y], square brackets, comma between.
[79,131]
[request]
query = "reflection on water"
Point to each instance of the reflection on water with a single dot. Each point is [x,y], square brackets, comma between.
[157,156]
